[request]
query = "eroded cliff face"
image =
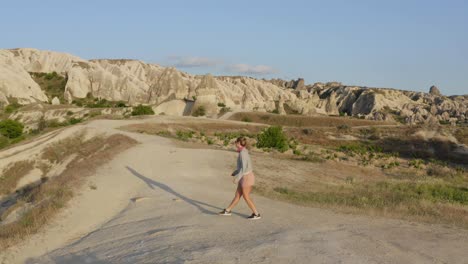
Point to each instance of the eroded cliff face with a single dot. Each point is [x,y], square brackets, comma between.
[136,82]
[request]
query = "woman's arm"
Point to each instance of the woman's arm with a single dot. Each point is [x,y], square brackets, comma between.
[242,168]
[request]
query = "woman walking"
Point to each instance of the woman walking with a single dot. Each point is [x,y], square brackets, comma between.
[244,178]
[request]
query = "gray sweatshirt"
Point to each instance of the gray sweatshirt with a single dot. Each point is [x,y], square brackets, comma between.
[244,165]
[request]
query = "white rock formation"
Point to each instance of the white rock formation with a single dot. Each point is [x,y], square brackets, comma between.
[55,101]
[136,82]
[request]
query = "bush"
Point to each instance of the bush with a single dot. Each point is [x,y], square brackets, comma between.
[225,110]
[12,107]
[221,105]
[51,75]
[3,141]
[74,121]
[200,111]
[11,128]
[142,110]
[273,137]
[120,104]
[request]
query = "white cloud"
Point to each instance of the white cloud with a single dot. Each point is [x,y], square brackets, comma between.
[251,69]
[193,62]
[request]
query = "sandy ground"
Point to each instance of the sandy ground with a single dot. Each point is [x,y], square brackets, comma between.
[157,203]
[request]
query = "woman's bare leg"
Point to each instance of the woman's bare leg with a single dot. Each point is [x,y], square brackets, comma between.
[246,193]
[236,199]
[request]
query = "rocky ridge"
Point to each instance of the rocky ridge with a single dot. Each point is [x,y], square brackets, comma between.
[168,90]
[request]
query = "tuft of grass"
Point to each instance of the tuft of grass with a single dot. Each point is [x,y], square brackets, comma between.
[343,128]
[12,174]
[312,157]
[60,150]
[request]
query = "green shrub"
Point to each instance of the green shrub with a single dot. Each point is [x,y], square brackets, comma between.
[12,107]
[55,123]
[17,139]
[3,141]
[51,75]
[69,113]
[297,152]
[273,137]
[11,128]
[200,111]
[142,110]
[221,105]
[358,148]
[74,121]
[209,141]
[225,110]
[120,104]
[184,135]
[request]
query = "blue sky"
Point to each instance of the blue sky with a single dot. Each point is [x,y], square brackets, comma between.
[399,44]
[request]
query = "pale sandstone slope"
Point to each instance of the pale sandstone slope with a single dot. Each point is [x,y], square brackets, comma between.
[168,90]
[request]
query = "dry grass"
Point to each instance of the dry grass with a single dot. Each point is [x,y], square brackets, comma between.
[12,174]
[209,128]
[350,176]
[54,193]
[304,121]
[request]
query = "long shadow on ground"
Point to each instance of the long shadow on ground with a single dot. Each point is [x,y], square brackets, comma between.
[152,184]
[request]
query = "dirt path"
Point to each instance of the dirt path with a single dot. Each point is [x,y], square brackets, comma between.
[157,203]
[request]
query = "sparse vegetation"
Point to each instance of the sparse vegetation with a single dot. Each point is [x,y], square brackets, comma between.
[142,110]
[11,128]
[273,137]
[184,135]
[225,110]
[200,111]
[246,119]
[47,198]
[12,107]
[425,201]
[12,174]
[52,83]
[303,121]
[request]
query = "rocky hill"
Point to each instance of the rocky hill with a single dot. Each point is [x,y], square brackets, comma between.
[169,90]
